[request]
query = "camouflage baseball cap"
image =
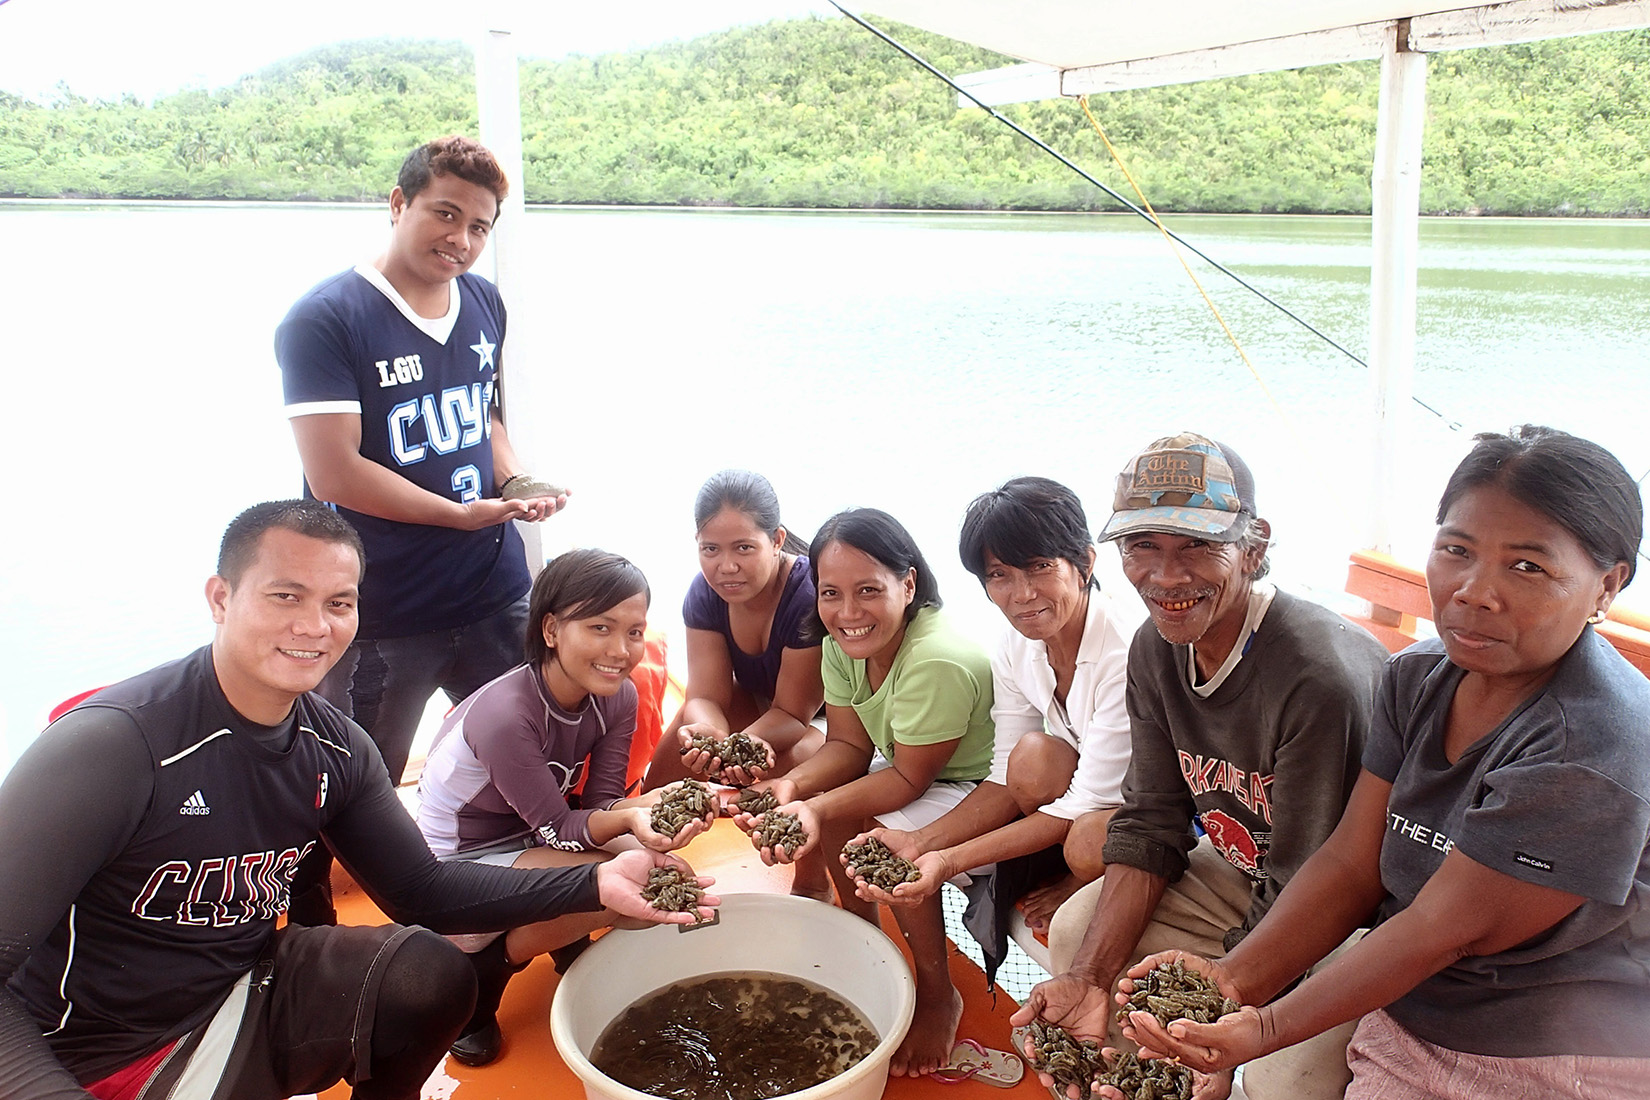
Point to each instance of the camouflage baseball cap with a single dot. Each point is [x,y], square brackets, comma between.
[1184,484]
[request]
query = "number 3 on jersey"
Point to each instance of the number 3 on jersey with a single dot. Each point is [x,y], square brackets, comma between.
[467,484]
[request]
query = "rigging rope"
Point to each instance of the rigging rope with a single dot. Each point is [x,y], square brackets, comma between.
[1126,204]
[1083,102]
[1642,553]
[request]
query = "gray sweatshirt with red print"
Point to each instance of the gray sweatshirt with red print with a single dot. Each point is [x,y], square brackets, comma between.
[1264,765]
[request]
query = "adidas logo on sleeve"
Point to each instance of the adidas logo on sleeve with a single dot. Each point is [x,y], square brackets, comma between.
[195,805]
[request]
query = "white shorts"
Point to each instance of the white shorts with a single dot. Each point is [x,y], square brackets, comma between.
[939,799]
[502,854]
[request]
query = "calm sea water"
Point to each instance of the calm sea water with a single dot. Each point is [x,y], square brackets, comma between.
[897,360]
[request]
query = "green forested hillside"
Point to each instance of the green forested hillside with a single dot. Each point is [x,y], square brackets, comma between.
[818,113]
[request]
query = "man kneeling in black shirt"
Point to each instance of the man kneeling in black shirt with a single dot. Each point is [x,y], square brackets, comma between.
[151,834]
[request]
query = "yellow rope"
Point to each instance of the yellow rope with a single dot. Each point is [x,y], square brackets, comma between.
[1289,423]
[1145,203]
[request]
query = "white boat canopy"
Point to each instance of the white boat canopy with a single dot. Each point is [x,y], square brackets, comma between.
[1082,47]
[1201,39]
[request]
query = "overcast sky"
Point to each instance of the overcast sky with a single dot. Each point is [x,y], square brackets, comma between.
[103,48]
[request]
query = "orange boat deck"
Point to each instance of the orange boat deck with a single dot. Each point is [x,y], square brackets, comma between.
[530,1067]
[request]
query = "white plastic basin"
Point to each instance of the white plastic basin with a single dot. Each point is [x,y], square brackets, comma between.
[789,936]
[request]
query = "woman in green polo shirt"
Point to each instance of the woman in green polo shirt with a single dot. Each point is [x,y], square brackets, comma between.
[909,734]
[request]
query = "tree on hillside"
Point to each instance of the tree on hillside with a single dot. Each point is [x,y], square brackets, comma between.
[816,113]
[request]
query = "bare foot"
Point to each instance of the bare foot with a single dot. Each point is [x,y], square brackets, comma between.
[1038,905]
[812,880]
[933,1033]
[819,892]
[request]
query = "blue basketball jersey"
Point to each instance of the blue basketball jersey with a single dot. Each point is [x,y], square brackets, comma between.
[424,389]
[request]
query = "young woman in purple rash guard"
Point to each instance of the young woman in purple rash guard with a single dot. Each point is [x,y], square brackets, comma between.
[499,782]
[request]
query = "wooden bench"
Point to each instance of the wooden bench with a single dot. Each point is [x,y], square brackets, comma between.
[1398,601]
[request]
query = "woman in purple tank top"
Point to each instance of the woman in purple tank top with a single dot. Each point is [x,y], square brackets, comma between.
[751,665]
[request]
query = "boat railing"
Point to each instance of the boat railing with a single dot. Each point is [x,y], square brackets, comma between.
[1398,604]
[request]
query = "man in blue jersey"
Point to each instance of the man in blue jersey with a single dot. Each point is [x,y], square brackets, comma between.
[151,835]
[391,378]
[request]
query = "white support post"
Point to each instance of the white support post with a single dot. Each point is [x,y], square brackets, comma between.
[1396,185]
[498,94]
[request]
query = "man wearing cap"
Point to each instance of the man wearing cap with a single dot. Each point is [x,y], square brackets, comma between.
[1248,709]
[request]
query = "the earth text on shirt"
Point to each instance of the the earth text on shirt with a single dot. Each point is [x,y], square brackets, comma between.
[1419,833]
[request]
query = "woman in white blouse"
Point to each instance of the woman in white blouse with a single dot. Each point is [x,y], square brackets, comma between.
[1062,730]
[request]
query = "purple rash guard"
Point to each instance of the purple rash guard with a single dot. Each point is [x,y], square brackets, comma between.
[506,758]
